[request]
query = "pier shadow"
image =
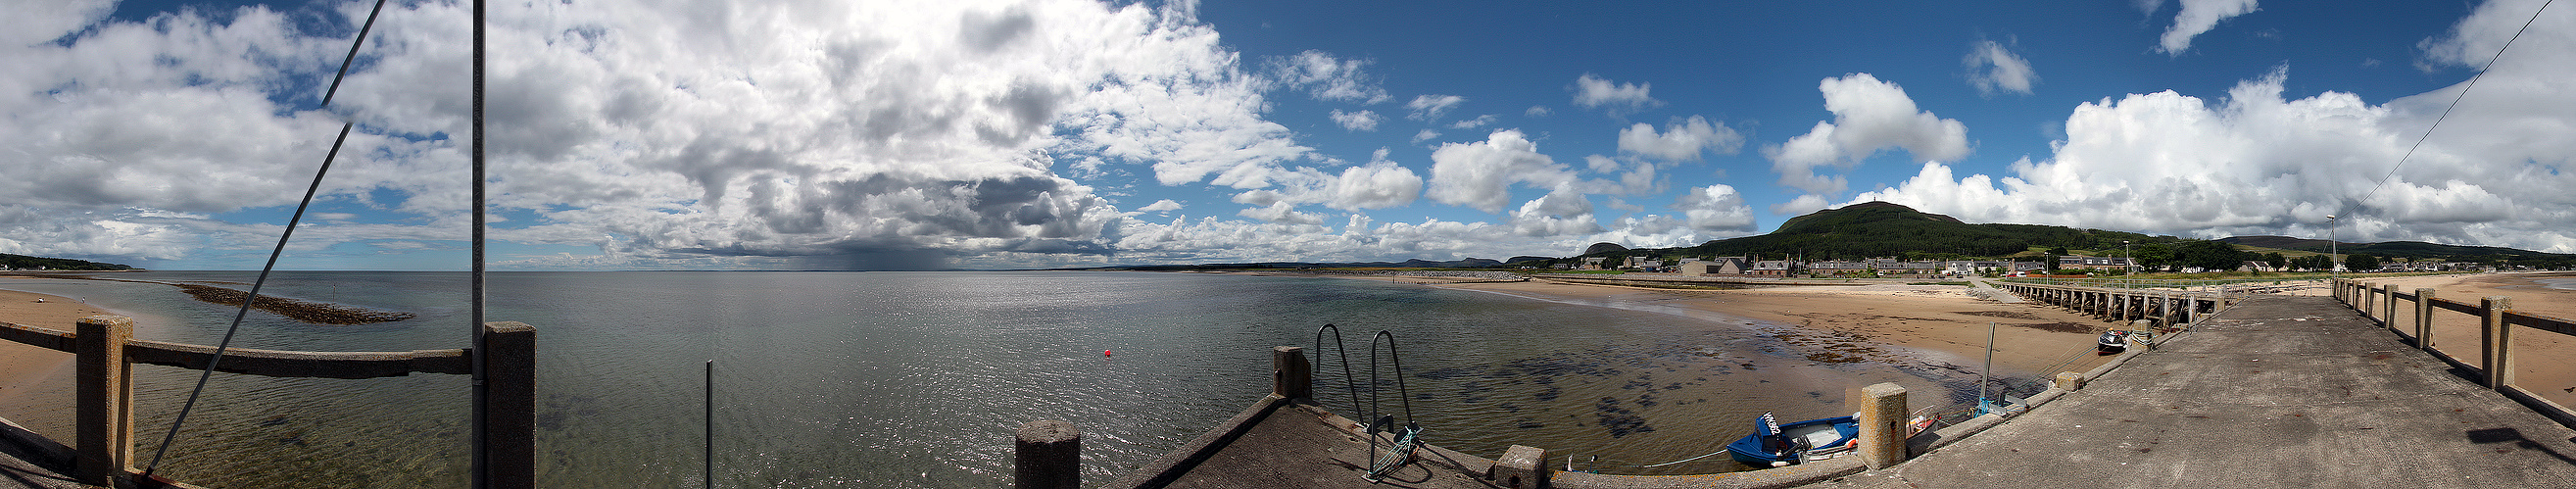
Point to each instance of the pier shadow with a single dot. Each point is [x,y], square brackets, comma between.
[2510,435]
[28,467]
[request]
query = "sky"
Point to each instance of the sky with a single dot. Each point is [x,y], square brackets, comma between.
[973,134]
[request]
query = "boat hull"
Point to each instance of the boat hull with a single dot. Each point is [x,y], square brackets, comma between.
[1824,437]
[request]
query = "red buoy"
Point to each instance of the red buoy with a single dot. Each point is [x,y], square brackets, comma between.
[1104,353]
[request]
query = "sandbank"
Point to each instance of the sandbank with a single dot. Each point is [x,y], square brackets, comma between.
[36,383]
[1840,324]
[2544,362]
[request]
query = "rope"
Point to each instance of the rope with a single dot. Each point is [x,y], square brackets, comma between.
[1410,436]
[291,222]
[1710,454]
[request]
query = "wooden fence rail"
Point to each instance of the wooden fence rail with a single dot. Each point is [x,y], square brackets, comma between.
[105,349]
[2496,322]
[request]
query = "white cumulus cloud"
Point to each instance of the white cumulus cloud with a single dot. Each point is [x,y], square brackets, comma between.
[1869,116]
[2196,17]
[1480,174]
[1360,121]
[1715,209]
[2257,163]
[1327,78]
[820,135]
[1429,107]
[1619,99]
[1164,205]
[1561,212]
[1992,67]
[1378,184]
[1681,139]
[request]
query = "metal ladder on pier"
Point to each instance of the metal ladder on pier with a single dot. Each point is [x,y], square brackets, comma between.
[1404,439]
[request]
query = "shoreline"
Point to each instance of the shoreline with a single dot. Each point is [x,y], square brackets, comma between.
[1889,324]
[1858,323]
[36,383]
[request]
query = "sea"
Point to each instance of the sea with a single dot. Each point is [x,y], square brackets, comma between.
[2560,282]
[918,379]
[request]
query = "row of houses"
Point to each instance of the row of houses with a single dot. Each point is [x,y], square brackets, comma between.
[1875,267]
[1894,268]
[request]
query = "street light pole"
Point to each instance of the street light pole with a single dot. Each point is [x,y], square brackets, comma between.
[2128,265]
[2334,250]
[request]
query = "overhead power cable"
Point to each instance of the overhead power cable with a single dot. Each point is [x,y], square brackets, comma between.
[2455,100]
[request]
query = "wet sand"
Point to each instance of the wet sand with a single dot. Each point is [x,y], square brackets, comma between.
[36,383]
[1860,323]
[2545,363]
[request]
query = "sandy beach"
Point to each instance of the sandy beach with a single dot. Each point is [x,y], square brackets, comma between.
[36,383]
[1857,323]
[2545,363]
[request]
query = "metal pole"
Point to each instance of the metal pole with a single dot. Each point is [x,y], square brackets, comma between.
[2334,250]
[482,455]
[709,450]
[1990,368]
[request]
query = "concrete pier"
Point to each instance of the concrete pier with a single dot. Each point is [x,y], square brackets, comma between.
[2281,392]
[2163,307]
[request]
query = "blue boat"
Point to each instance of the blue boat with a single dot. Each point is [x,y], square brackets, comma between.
[1775,445]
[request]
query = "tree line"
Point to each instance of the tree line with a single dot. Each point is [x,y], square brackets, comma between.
[24,262]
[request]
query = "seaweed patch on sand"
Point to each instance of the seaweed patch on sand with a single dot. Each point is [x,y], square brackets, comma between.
[311,312]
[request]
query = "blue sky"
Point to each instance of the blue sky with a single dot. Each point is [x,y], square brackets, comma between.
[1045,133]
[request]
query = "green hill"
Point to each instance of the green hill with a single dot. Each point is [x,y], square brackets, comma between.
[1877,229]
[1882,229]
[2395,249]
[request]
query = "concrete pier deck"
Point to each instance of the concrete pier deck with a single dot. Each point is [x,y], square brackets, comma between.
[2279,392]
[1283,443]
[31,462]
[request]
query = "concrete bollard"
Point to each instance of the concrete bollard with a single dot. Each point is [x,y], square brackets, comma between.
[509,399]
[1882,425]
[1291,376]
[2388,310]
[2424,319]
[2070,381]
[1048,456]
[1521,467]
[102,395]
[2497,341]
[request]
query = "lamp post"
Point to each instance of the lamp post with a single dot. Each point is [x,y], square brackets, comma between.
[2128,265]
[2334,253]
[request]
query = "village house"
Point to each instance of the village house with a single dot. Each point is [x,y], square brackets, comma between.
[1777,268]
[2080,262]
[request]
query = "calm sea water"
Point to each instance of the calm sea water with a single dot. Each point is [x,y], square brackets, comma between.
[917,379]
[2560,282]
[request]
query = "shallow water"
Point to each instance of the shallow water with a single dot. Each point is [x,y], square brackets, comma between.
[917,379]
